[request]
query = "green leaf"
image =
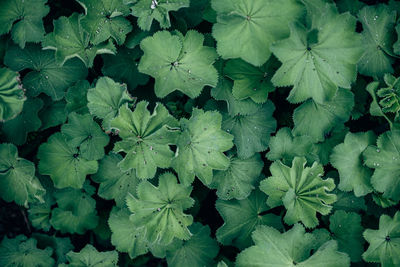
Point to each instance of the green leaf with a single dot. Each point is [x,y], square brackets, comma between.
[384,243]
[396,45]
[250,81]
[246,29]
[160,210]
[384,158]
[64,162]
[316,120]
[60,245]
[46,76]
[53,113]
[347,158]
[17,129]
[348,202]
[24,18]
[105,19]
[76,98]
[198,251]
[378,38]
[22,252]
[200,147]
[90,257]
[223,92]
[125,236]
[149,10]
[300,189]
[114,183]
[39,213]
[290,248]
[390,95]
[241,218]
[251,131]
[318,61]
[284,146]
[239,179]
[11,94]
[106,98]
[123,67]
[76,211]
[375,109]
[178,63]
[333,138]
[145,138]
[70,40]
[17,178]
[382,201]
[81,131]
[347,231]
[352,6]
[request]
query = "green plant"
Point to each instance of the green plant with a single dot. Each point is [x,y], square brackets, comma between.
[199,133]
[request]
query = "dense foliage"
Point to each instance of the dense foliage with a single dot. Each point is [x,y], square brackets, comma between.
[199,133]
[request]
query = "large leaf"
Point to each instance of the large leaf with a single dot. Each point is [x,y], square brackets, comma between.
[17,178]
[149,10]
[378,38]
[318,61]
[301,190]
[105,19]
[24,18]
[347,158]
[64,162]
[384,158]
[11,94]
[160,209]
[178,63]
[384,243]
[291,248]
[241,218]
[145,138]
[46,76]
[200,147]
[70,40]
[246,29]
